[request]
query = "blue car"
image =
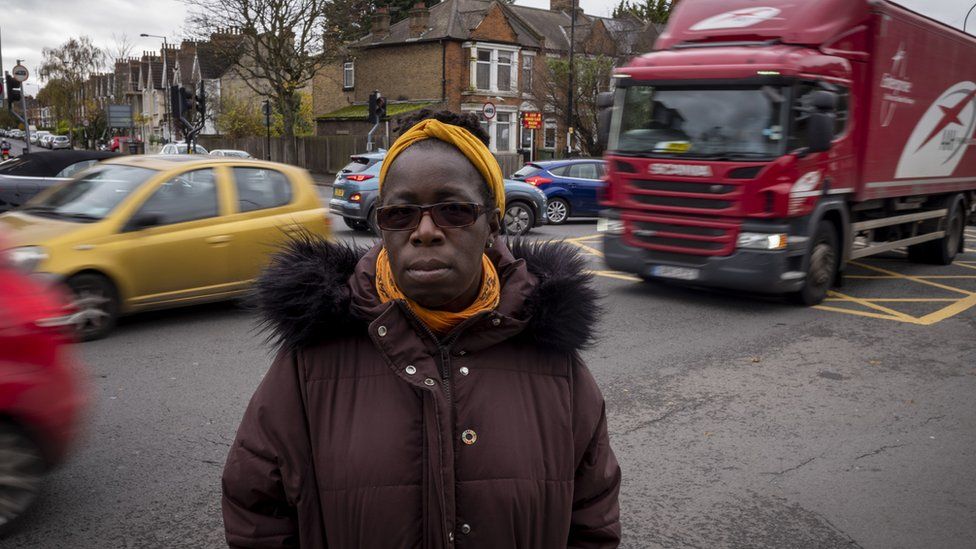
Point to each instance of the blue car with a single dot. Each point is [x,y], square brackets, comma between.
[571,186]
[356,188]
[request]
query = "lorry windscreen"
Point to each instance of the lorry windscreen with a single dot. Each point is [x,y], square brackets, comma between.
[730,123]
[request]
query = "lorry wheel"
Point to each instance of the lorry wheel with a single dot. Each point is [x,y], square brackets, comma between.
[822,267]
[21,471]
[96,303]
[943,251]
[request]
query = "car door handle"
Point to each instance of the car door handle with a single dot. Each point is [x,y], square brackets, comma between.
[219,239]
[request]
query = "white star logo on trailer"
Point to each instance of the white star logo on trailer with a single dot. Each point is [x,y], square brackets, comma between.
[737,19]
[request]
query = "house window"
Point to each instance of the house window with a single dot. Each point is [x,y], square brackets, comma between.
[527,63]
[549,135]
[494,69]
[500,129]
[348,75]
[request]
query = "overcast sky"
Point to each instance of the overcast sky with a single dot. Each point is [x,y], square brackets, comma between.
[30,25]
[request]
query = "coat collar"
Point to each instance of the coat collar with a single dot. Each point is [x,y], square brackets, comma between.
[316,290]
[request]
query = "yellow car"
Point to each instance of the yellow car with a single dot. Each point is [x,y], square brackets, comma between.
[150,232]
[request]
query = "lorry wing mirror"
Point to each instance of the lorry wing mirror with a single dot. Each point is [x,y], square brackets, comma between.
[821,131]
[823,101]
[604,105]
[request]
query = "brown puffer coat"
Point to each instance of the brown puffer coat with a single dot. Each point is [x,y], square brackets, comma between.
[368,433]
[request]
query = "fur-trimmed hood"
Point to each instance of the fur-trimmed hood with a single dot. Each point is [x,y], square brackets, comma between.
[305,295]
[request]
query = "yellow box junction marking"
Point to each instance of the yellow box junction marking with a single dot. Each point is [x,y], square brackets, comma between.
[874,306]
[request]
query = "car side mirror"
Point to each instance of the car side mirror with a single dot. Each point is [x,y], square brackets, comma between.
[820,132]
[144,220]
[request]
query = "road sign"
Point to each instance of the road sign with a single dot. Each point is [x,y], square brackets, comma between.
[119,116]
[488,110]
[20,73]
[532,120]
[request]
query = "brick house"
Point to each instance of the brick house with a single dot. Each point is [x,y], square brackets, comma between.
[462,54]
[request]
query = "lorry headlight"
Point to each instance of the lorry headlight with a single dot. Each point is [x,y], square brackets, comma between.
[762,241]
[609,226]
[26,258]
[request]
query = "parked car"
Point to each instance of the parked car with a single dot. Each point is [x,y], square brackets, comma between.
[45,141]
[149,232]
[571,186]
[42,396]
[356,188]
[230,153]
[24,176]
[57,142]
[36,136]
[181,148]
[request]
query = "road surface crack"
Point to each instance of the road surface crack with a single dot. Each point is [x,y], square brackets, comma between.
[663,417]
[879,450]
[791,469]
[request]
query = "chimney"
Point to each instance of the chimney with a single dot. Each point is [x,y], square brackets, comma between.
[380,26]
[561,5]
[419,18]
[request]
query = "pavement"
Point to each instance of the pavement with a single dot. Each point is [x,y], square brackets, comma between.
[739,421]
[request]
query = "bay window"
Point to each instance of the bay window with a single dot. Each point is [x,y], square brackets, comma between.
[494,69]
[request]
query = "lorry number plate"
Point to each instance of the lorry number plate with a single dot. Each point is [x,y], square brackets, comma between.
[680,273]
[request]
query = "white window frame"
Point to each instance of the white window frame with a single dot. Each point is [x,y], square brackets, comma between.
[513,123]
[528,62]
[493,67]
[349,69]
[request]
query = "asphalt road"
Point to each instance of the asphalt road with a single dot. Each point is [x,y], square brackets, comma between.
[739,421]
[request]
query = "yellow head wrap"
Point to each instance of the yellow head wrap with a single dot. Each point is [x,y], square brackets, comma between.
[469,145]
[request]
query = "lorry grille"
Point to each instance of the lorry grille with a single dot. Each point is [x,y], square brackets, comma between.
[682,197]
[680,235]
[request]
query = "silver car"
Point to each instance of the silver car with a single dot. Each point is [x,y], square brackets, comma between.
[59,142]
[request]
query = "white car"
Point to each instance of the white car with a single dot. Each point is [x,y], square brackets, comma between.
[45,141]
[36,136]
[181,148]
[59,142]
[231,153]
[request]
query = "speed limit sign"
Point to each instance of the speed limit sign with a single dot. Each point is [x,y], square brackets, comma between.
[488,110]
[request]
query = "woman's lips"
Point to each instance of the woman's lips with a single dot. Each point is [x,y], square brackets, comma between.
[427,274]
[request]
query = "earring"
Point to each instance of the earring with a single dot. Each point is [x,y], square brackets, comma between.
[490,244]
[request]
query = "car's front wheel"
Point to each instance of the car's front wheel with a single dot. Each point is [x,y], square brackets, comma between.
[519,218]
[21,472]
[557,211]
[96,304]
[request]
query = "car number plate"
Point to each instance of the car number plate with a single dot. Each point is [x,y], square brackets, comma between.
[338,193]
[679,273]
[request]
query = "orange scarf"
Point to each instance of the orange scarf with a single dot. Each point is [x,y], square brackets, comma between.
[440,322]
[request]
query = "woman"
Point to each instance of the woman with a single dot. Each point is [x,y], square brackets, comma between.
[429,392]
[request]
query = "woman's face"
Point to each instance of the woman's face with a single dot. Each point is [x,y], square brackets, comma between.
[439,268]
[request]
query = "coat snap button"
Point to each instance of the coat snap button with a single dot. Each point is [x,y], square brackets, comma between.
[382,331]
[429,382]
[410,369]
[462,353]
[469,437]
[464,370]
[465,529]
[496,321]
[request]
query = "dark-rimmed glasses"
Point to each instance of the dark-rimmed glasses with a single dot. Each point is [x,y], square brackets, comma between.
[446,215]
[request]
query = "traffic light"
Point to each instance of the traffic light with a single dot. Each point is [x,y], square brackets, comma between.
[176,105]
[189,101]
[13,91]
[201,101]
[371,116]
[380,109]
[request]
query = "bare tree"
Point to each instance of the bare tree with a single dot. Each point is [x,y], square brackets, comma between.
[279,48]
[592,75]
[72,64]
[121,48]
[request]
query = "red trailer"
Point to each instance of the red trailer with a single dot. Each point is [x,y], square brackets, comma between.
[762,145]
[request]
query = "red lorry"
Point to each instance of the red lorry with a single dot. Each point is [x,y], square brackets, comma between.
[766,143]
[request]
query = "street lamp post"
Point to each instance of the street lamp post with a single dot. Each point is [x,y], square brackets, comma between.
[572,69]
[966,20]
[169,110]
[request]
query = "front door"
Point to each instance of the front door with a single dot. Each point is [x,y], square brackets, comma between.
[185,254]
[585,181]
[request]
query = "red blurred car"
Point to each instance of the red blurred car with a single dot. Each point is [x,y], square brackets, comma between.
[41,396]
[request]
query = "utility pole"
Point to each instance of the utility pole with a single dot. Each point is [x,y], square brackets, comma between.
[3,91]
[572,71]
[267,124]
